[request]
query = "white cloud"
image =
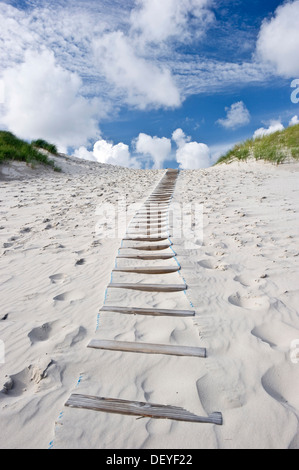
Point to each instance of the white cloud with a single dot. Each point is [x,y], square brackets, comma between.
[84,154]
[42,100]
[190,155]
[119,154]
[159,149]
[236,116]
[142,82]
[157,20]
[279,38]
[107,152]
[274,126]
[294,121]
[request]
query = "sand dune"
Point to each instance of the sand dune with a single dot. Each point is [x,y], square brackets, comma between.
[57,259]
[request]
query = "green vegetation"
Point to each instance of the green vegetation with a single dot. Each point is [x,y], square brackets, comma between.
[13,148]
[43,144]
[274,148]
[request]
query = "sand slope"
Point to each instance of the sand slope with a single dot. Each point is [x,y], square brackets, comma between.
[242,281]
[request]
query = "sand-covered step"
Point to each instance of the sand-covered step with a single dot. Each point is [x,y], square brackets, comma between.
[148,269]
[148,287]
[147,348]
[153,213]
[148,311]
[127,407]
[146,238]
[146,256]
[148,219]
[157,202]
[147,247]
[148,232]
[146,225]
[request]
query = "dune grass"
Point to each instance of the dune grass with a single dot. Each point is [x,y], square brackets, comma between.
[43,144]
[275,148]
[13,148]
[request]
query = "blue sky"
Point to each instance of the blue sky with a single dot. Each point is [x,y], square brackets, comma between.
[146,83]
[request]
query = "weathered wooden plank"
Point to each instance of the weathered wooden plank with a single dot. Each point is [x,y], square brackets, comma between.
[152,213]
[146,239]
[158,201]
[146,233]
[154,210]
[151,219]
[149,225]
[157,312]
[151,256]
[148,287]
[134,408]
[146,247]
[155,207]
[147,269]
[156,230]
[148,348]
[160,196]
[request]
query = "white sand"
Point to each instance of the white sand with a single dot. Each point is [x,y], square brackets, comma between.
[242,282]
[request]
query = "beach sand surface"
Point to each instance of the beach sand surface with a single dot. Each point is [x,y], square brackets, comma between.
[235,232]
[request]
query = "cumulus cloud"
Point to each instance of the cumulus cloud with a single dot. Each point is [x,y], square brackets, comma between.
[294,121]
[158,20]
[142,82]
[236,116]
[274,126]
[190,155]
[107,152]
[42,100]
[158,149]
[279,38]
[84,154]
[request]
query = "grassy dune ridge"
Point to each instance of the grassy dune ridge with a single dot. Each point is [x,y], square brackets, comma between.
[274,148]
[13,148]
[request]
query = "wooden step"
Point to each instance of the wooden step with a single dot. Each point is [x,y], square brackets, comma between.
[135,408]
[156,312]
[159,205]
[144,233]
[153,213]
[156,202]
[148,225]
[148,348]
[150,219]
[146,247]
[147,269]
[148,287]
[144,256]
[146,239]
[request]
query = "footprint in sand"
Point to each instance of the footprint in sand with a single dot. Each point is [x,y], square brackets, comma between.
[71,296]
[41,333]
[80,262]
[17,384]
[26,230]
[250,302]
[282,383]
[276,333]
[207,264]
[243,280]
[58,278]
